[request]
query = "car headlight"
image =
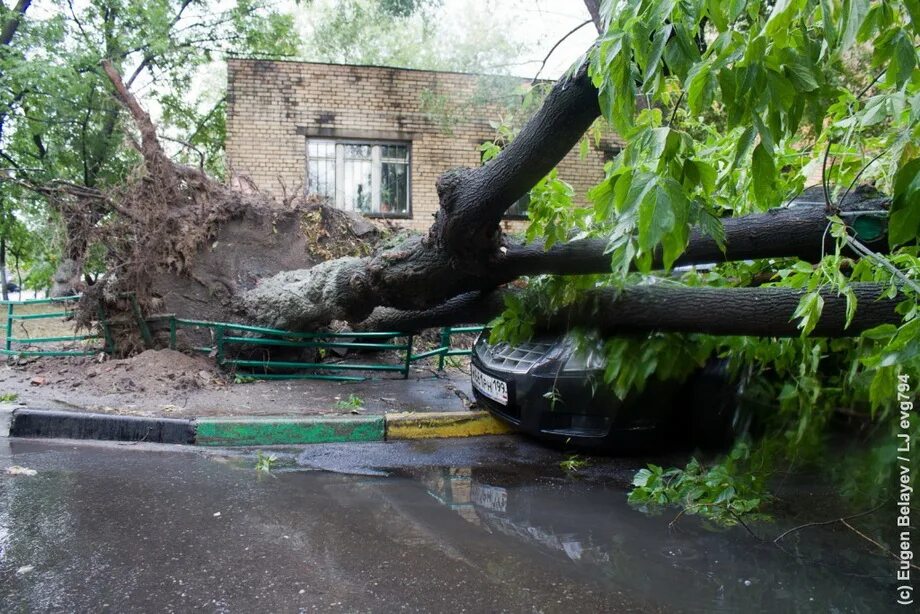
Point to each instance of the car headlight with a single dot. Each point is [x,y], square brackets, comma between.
[589,357]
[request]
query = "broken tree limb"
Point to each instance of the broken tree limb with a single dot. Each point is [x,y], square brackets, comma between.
[663,307]
[799,231]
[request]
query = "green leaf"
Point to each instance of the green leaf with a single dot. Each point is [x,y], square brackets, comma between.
[764,172]
[801,73]
[904,218]
[903,59]
[713,227]
[745,141]
[852,15]
[656,217]
[851,305]
[809,311]
[827,18]
[642,477]
[766,137]
[781,17]
[913,8]
[701,87]
[654,58]
[583,148]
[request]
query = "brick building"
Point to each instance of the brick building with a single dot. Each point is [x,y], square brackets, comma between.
[369,138]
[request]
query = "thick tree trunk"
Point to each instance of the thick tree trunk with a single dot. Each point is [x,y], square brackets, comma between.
[407,281]
[764,311]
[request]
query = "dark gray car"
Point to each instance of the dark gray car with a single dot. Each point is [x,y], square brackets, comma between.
[553,388]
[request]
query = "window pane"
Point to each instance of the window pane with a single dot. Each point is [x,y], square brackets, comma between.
[394,188]
[370,178]
[321,167]
[357,152]
[519,208]
[317,148]
[357,184]
[394,152]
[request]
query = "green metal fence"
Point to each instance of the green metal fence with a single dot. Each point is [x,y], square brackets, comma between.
[224,334]
[23,346]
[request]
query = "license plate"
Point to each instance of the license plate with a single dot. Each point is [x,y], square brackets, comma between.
[492,387]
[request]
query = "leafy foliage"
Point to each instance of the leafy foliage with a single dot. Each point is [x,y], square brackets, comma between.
[729,108]
[723,492]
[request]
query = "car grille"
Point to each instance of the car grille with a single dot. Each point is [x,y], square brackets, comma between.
[513,358]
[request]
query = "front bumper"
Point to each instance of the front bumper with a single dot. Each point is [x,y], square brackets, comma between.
[569,408]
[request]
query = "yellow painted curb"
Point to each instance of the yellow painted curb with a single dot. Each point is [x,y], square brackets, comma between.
[430,425]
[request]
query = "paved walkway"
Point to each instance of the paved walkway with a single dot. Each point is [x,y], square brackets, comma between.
[425,390]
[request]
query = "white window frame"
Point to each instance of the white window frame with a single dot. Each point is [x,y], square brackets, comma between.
[376,161]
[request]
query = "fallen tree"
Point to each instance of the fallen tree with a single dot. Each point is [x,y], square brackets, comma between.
[428,280]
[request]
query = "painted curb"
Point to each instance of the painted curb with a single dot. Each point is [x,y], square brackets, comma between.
[249,431]
[75,425]
[277,431]
[434,425]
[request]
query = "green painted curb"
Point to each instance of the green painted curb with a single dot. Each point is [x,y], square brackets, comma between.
[271,431]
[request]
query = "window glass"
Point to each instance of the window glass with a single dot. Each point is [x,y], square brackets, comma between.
[321,168]
[370,178]
[519,208]
[394,197]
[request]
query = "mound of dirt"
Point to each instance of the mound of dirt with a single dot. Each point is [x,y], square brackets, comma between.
[154,372]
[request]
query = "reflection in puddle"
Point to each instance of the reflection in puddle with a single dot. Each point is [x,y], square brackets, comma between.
[693,566]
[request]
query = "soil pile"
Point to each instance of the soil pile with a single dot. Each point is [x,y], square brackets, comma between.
[155,372]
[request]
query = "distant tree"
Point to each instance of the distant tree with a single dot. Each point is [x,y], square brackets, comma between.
[408,34]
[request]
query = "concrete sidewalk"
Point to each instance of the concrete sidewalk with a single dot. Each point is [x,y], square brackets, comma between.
[164,396]
[426,390]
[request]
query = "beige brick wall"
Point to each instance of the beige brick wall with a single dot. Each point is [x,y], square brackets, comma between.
[274,106]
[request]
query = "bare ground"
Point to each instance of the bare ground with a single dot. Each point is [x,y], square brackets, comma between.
[170,383]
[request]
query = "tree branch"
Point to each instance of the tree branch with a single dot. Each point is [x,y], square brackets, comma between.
[473,201]
[762,312]
[797,231]
[12,24]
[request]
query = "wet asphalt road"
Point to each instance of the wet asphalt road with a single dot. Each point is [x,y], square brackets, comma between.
[483,525]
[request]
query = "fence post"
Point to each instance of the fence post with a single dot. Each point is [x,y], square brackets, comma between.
[106,331]
[445,345]
[408,356]
[172,332]
[219,335]
[141,322]
[9,327]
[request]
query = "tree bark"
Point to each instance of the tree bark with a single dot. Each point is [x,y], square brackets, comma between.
[799,231]
[12,24]
[3,279]
[764,311]
[593,7]
[419,277]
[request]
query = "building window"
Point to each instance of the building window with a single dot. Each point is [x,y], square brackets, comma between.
[366,177]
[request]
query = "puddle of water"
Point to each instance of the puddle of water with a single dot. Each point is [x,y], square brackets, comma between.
[496,528]
[687,566]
